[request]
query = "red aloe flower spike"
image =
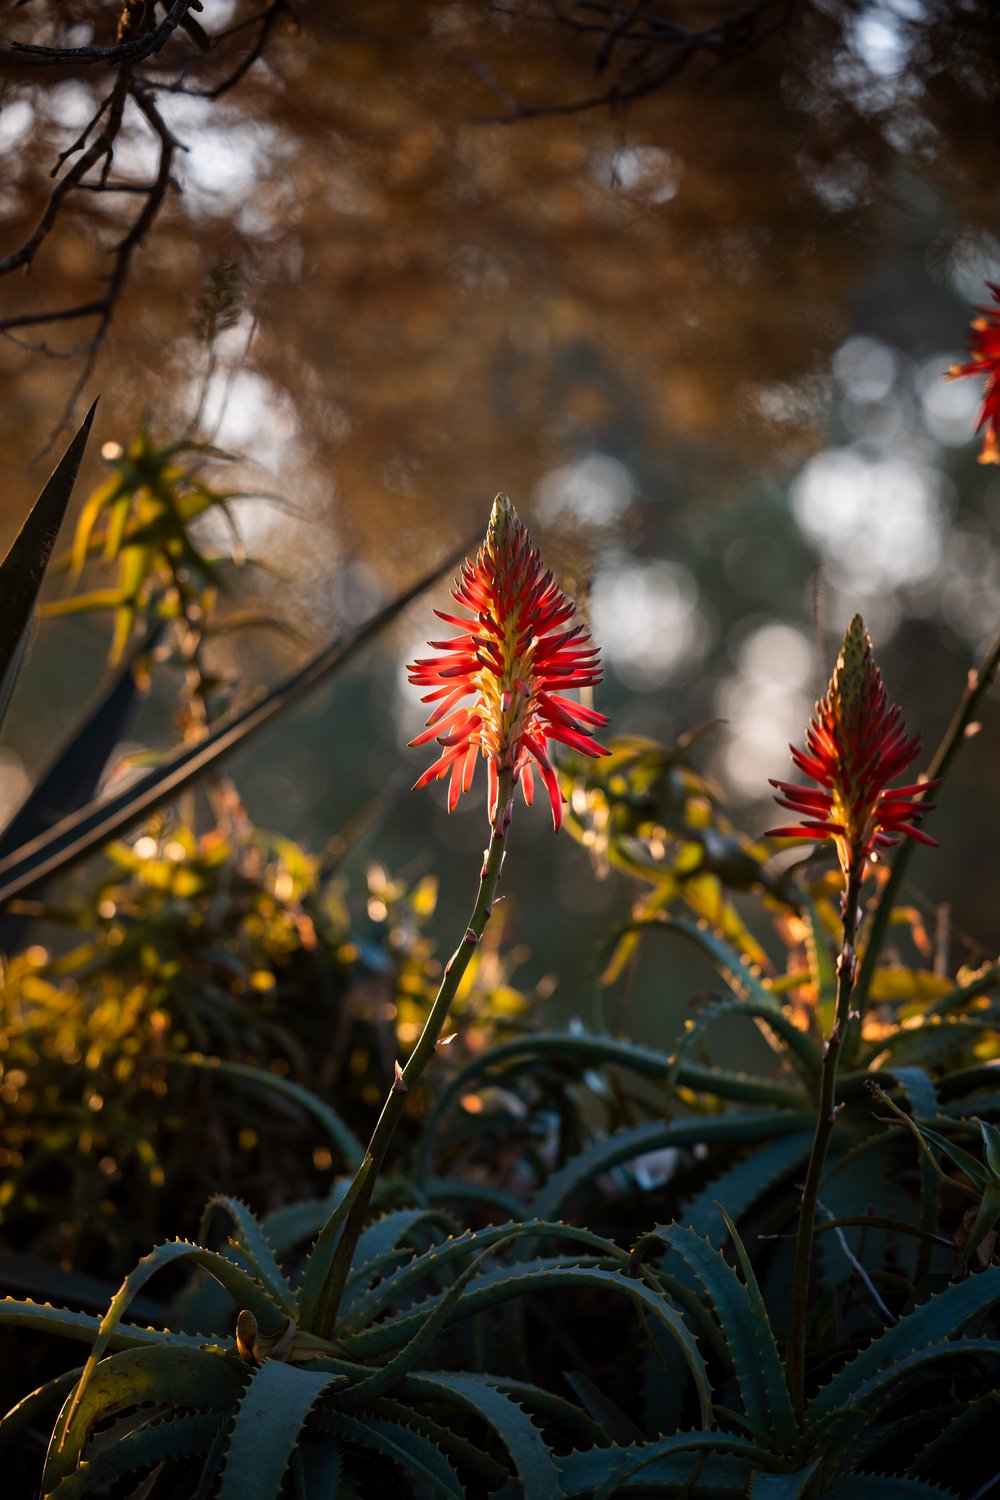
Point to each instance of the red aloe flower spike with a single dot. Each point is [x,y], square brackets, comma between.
[984,346]
[515,658]
[856,744]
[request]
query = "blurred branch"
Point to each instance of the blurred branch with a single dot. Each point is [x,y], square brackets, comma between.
[139,43]
[641,47]
[135,42]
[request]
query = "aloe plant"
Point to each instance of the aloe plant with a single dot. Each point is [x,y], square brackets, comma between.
[437,1322]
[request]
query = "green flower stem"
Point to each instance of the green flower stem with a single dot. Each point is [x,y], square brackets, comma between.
[833,1047]
[955,736]
[408,1076]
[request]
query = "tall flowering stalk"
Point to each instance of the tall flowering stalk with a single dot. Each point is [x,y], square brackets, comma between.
[515,650]
[855,745]
[984,347]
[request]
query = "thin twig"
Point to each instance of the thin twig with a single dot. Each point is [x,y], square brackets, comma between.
[856,1264]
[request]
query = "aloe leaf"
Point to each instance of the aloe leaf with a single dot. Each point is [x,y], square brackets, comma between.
[888,1384]
[246,1291]
[402,1283]
[381,1243]
[963,1083]
[316,1294]
[940,1317]
[784,1486]
[26,1273]
[783,1424]
[969,1420]
[448,1190]
[801,1049]
[705,1475]
[886,1487]
[403,1445]
[83,1326]
[745,1327]
[987,979]
[613,1422]
[532,1461]
[744,983]
[95,824]
[193,1378]
[35,1407]
[934,1041]
[251,1239]
[340,1135]
[916,1084]
[266,1429]
[73,774]
[555,1409]
[740,1187]
[321,1466]
[23,569]
[625,1145]
[633,1461]
[381,1382]
[467,1457]
[297,1222]
[680,1442]
[986,1218]
[964,1160]
[177,1438]
[820,951]
[591,1051]
[493,1288]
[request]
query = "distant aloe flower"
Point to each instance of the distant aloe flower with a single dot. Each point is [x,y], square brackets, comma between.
[855,745]
[513,657]
[984,346]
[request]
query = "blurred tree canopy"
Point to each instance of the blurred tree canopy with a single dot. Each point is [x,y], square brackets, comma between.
[432,271]
[466,246]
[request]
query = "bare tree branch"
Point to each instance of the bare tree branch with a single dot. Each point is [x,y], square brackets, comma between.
[133,50]
[134,55]
[648,45]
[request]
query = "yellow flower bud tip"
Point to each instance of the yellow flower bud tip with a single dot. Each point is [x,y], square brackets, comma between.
[851,675]
[503,520]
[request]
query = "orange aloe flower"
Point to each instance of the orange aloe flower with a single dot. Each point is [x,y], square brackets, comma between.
[855,745]
[984,346]
[516,654]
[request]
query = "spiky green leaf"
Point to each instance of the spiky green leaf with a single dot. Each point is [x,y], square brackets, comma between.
[23,568]
[940,1317]
[266,1429]
[626,1145]
[199,1379]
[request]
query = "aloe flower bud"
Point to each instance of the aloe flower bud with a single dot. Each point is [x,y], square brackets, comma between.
[516,655]
[855,745]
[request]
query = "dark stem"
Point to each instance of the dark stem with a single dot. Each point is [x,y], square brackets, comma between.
[955,736]
[828,1111]
[421,1055]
